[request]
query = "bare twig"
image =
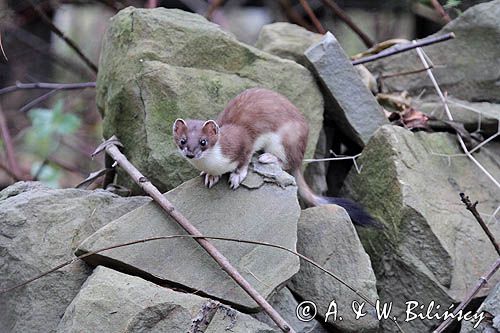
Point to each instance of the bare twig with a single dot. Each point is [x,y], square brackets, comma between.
[482,281]
[472,208]
[293,16]
[416,71]
[9,147]
[437,6]
[1,48]
[151,190]
[214,4]
[312,16]
[347,20]
[37,100]
[450,117]
[404,47]
[45,85]
[61,35]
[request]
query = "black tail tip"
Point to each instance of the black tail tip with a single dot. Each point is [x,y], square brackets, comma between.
[356,212]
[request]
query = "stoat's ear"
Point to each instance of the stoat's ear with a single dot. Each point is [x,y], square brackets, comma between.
[179,126]
[210,127]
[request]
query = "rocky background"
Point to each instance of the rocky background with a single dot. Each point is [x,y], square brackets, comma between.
[158,65]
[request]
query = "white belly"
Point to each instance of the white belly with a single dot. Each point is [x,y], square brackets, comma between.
[213,162]
[271,143]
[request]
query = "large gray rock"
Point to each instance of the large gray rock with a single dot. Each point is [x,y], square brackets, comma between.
[327,236]
[110,302]
[162,64]
[349,101]
[491,310]
[265,208]
[39,229]
[432,248]
[286,40]
[286,305]
[467,67]
[484,116]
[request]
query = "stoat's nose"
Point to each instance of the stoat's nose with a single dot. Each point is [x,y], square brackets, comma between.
[189,155]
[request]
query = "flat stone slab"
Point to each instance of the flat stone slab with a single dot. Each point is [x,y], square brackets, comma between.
[267,211]
[113,302]
[348,100]
[39,229]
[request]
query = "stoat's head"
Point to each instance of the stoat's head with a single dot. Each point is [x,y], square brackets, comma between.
[194,137]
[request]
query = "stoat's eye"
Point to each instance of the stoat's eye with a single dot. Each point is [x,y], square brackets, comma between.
[183,141]
[203,142]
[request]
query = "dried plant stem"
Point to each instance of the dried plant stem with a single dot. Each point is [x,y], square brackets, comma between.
[293,16]
[312,16]
[472,208]
[450,117]
[404,47]
[347,20]
[13,166]
[151,190]
[440,10]
[46,85]
[212,8]
[61,35]
[480,284]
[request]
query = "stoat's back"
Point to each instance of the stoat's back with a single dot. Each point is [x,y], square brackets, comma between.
[269,118]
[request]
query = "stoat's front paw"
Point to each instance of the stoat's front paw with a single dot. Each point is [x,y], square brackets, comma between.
[268,158]
[236,177]
[210,180]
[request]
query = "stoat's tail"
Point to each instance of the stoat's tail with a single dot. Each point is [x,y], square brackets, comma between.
[356,212]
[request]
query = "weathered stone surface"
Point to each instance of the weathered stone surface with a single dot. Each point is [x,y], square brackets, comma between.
[286,40]
[468,64]
[351,103]
[327,236]
[490,306]
[39,229]
[286,305]
[484,116]
[162,64]
[110,302]
[267,213]
[432,248]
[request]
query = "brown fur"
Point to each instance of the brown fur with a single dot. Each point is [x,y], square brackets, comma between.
[259,111]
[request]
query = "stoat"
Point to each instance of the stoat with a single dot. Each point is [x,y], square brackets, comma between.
[256,120]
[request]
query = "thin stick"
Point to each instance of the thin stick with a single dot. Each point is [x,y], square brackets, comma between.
[1,48]
[482,281]
[347,20]
[46,85]
[9,147]
[404,47]
[437,6]
[472,208]
[61,35]
[386,76]
[151,190]
[312,16]
[293,16]
[37,100]
[145,240]
[214,4]
[450,117]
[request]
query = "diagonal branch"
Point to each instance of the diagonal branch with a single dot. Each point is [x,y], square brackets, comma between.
[61,35]
[9,148]
[472,208]
[110,146]
[312,16]
[347,20]
[437,6]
